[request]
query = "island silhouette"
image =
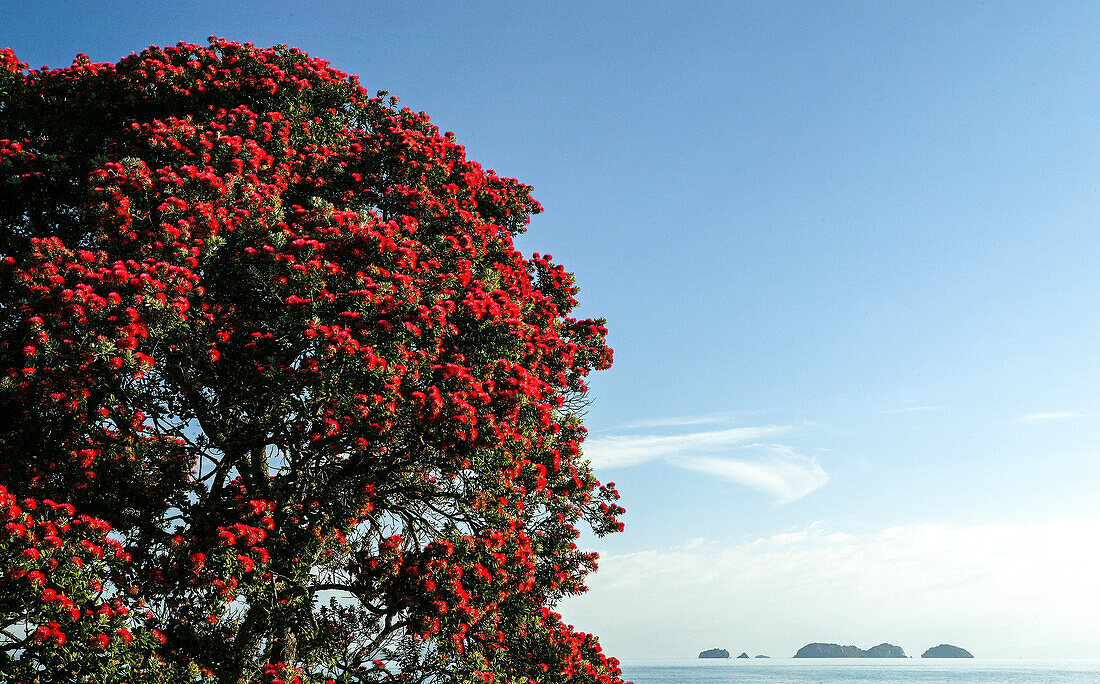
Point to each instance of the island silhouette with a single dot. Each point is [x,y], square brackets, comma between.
[946,651]
[823,650]
[715,653]
[819,650]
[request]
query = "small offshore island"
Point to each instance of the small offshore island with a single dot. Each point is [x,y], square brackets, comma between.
[818,650]
[946,651]
[723,653]
[715,653]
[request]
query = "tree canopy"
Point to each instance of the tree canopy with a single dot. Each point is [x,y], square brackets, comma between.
[281,401]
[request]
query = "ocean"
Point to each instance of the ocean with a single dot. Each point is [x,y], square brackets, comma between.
[885,671]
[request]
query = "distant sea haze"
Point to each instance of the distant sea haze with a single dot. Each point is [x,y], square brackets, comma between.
[876,670]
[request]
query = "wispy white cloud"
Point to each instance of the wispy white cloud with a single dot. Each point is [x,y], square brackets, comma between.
[620,451]
[681,421]
[784,474]
[734,455]
[915,409]
[999,590]
[1052,415]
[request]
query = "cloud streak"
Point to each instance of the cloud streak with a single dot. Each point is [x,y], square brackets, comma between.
[1052,415]
[772,468]
[682,421]
[624,451]
[784,474]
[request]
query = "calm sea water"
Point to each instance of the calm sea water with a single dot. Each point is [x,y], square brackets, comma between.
[886,671]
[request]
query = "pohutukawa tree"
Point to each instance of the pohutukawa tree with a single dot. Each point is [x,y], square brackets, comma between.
[279,399]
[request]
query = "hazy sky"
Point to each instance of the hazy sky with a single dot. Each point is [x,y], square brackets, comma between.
[848,254]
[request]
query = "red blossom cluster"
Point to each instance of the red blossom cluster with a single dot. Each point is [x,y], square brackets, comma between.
[54,567]
[271,336]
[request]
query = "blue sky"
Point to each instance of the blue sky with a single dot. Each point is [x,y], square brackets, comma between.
[848,256]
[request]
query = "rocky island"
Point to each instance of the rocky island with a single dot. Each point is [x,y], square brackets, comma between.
[946,651]
[715,653]
[743,655]
[818,650]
